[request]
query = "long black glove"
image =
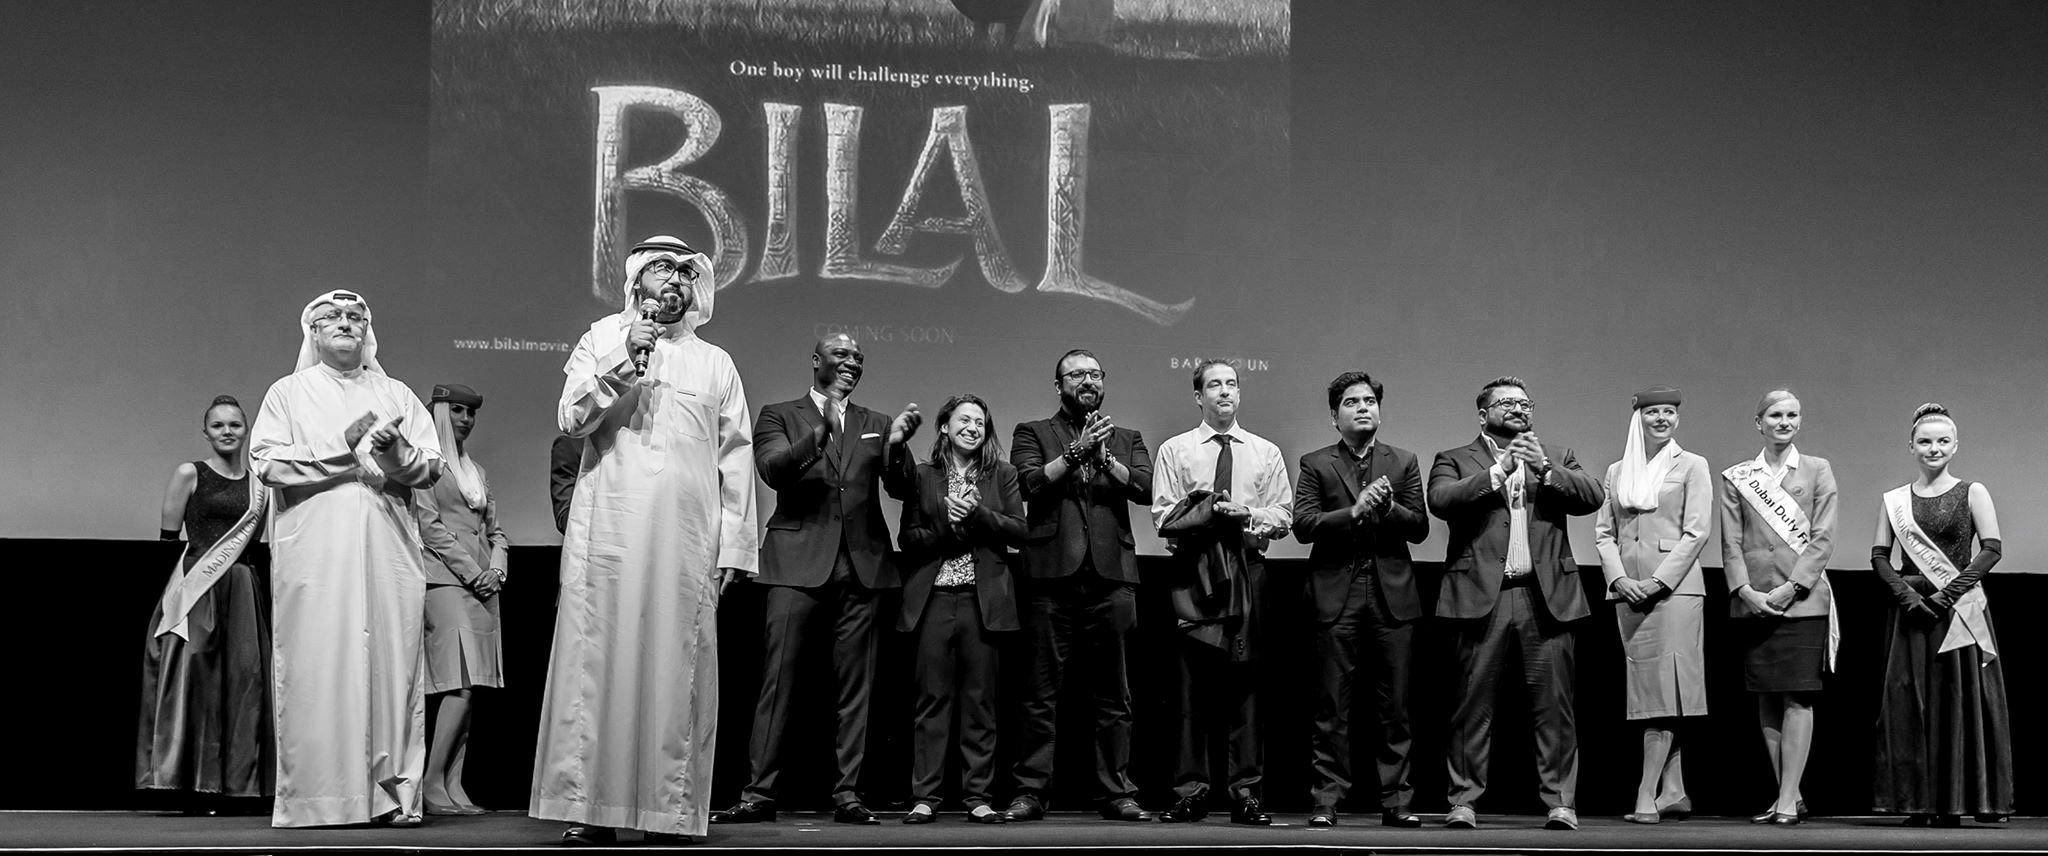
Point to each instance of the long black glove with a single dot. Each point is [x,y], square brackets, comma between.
[1989,551]
[1912,602]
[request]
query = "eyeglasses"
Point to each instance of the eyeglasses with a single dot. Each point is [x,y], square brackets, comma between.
[1079,375]
[1522,404]
[664,268]
[332,315]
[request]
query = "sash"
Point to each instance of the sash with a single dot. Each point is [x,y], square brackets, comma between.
[1782,514]
[1968,628]
[184,588]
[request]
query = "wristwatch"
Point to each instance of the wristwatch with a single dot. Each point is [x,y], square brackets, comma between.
[1799,591]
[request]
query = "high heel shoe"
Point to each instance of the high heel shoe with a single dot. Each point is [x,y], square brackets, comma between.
[1644,817]
[1680,810]
[1767,816]
[1779,819]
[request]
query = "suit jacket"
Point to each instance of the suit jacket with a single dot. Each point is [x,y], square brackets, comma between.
[1461,492]
[459,544]
[565,463]
[1663,544]
[825,494]
[929,539]
[1071,520]
[1752,555]
[1323,495]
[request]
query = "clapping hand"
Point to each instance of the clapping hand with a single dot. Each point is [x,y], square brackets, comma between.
[356,430]
[1095,433]
[1529,450]
[1375,497]
[906,424]
[958,507]
[387,436]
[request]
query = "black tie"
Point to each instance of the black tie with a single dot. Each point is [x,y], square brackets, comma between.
[1221,483]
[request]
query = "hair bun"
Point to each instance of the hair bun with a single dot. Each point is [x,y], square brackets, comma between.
[219,400]
[1929,409]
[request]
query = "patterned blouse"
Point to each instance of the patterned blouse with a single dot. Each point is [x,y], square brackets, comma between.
[959,570]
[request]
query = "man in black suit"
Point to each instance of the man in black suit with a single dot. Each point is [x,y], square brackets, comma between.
[1080,472]
[825,559]
[1510,583]
[1359,503]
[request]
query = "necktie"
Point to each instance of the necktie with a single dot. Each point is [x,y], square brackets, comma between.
[1221,483]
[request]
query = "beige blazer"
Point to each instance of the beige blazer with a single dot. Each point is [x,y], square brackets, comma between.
[1752,555]
[1664,544]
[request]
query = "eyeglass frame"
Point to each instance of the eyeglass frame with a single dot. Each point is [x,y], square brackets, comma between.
[1078,375]
[1525,405]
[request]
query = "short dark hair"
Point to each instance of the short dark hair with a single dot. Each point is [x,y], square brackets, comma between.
[1348,380]
[1077,352]
[1206,365]
[1486,392]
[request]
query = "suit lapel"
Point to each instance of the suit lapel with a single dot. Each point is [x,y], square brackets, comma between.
[850,438]
[1479,454]
[1340,462]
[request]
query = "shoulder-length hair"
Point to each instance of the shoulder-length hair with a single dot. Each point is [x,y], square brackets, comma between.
[991,451]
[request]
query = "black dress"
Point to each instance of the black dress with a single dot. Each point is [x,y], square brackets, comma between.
[1944,736]
[206,720]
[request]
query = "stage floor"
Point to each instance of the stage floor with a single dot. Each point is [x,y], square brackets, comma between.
[117,832]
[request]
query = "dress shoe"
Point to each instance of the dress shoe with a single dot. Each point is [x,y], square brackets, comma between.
[396,819]
[1325,815]
[589,836]
[990,816]
[1399,818]
[1993,818]
[920,813]
[854,812]
[1461,817]
[1919,821]
[1124,808]
[1779,819]
[1563,818]
[1247,812]
[745,812]
[1645,817]
[1188,810]
[1766,816]
[1022,809]
[667,839]
[1947,821]
[1680,810]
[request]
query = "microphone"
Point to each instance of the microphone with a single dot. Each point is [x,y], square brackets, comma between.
[648,309]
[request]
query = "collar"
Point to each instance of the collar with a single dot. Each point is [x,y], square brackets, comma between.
[331,371]
[1791,458]
[1344,448]
[1492,446]
[1070,420]
[1203,432]
[818,400]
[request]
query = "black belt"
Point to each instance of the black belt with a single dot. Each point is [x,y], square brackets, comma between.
[1523,581]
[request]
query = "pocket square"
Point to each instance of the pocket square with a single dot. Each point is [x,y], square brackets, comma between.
[869,436]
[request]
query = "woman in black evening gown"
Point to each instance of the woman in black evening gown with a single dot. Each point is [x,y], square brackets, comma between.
[1944,736]
[206,722]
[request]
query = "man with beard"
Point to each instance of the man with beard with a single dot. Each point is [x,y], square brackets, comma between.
[662,517]
[1220,494]
[1079,473]
[825,560]
[345,446]
[1511,584]
[1359,504]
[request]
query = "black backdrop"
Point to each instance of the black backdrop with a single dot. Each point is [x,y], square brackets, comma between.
[308,124]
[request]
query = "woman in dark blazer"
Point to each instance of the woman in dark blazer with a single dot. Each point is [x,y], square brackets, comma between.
[956,591]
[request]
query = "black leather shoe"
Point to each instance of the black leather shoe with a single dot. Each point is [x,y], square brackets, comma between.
[1786,819]
[589,836]
[1766,816]
[1248,813]
[1323,815]
[1399,817]
[1022,809]
[745,812]
[990,817]
[916,817]
[1124,808]
[854,812]
[1947,821]
[666,839]
[1188,810]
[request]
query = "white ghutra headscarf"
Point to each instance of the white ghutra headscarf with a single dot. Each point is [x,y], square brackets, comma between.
[340,298]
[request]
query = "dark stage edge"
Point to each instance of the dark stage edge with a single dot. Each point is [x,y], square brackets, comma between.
[147,832]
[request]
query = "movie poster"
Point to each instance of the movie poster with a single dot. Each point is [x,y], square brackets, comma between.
[968,187]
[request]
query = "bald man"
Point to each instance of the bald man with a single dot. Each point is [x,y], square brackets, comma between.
[825,559]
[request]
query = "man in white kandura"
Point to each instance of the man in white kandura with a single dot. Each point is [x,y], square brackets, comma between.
[345,445]
[662,518]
